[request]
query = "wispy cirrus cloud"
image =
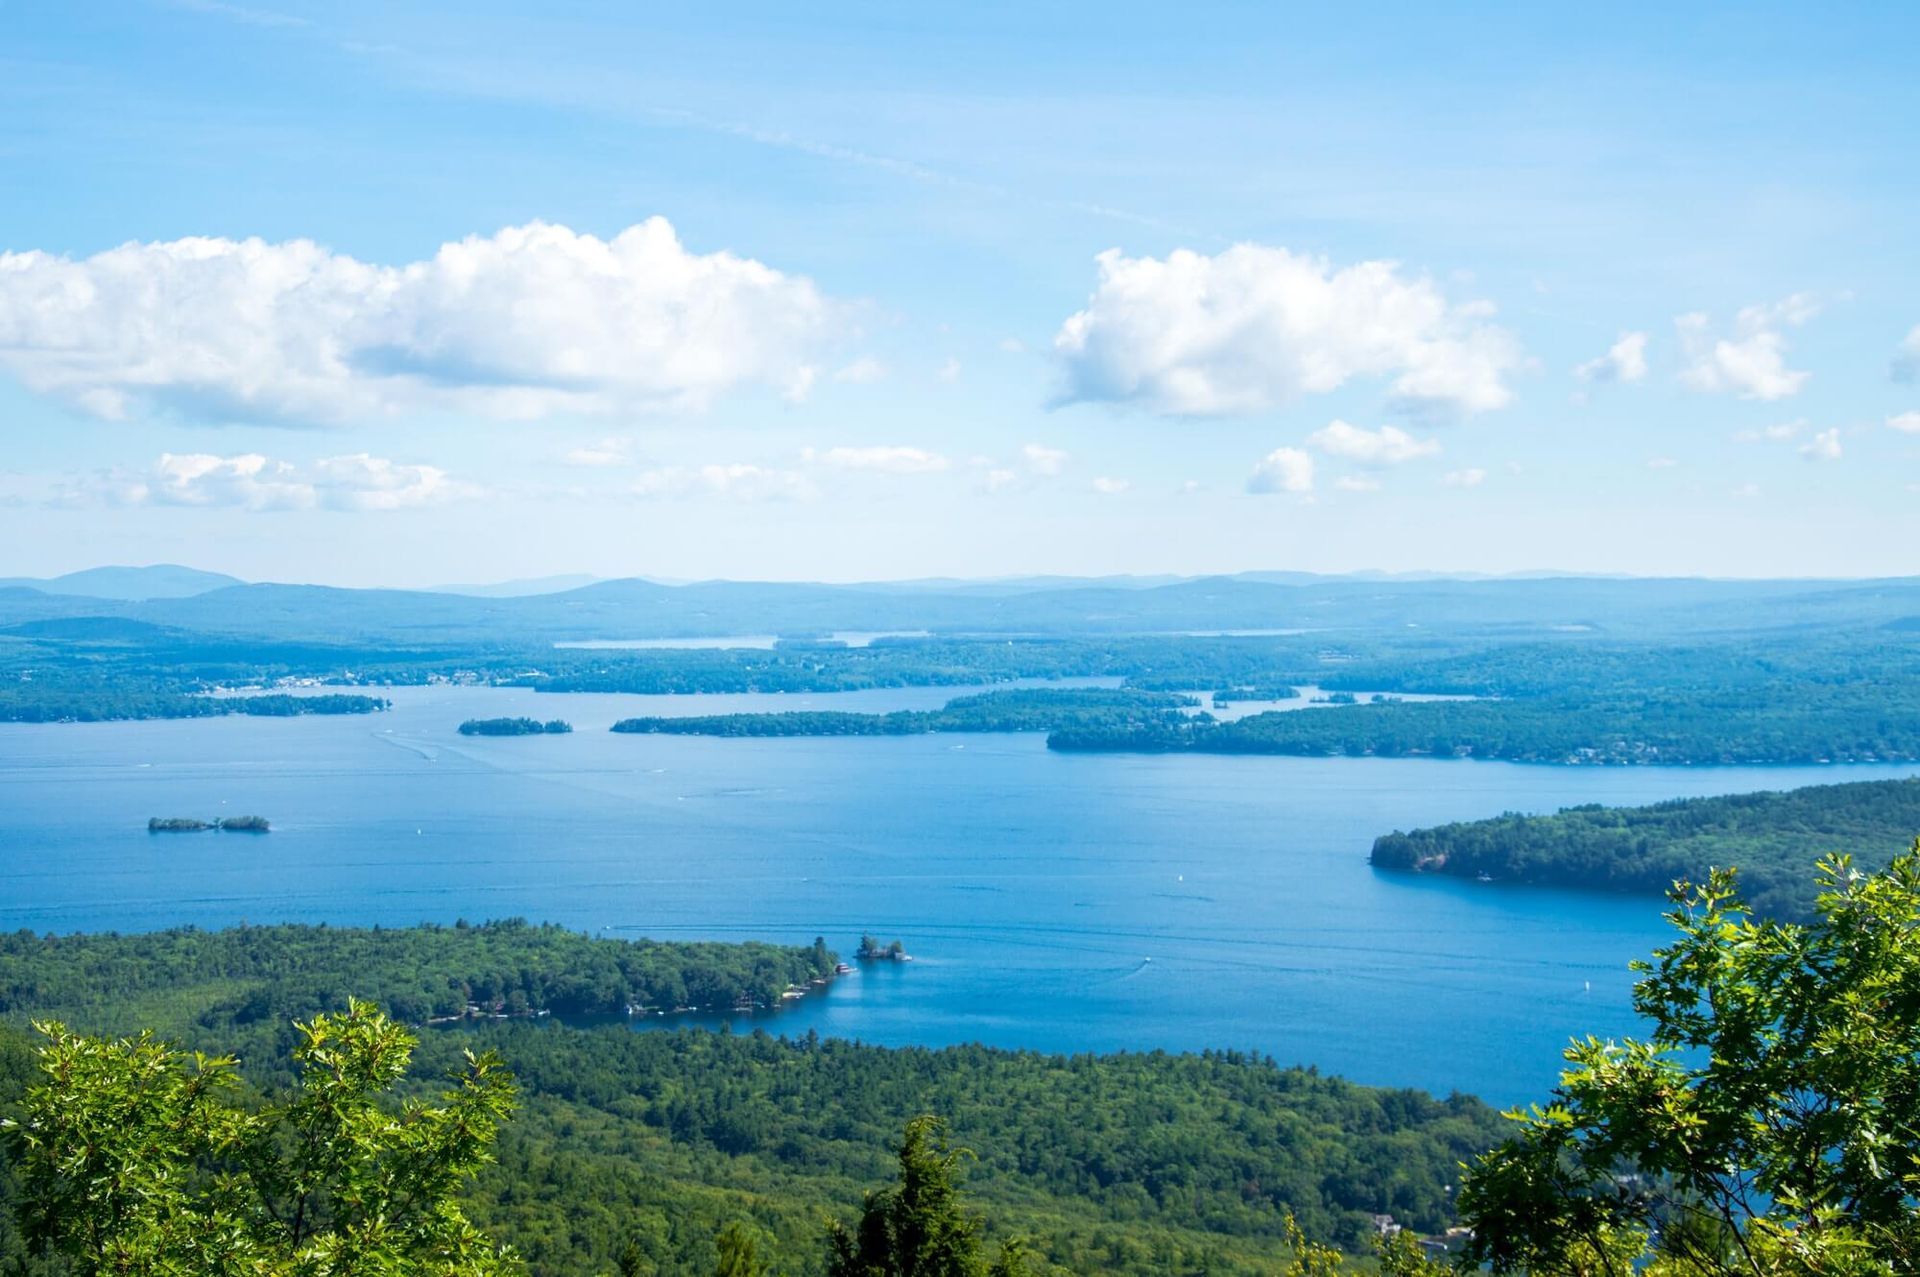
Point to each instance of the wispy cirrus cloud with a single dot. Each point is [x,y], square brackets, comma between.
[248,15]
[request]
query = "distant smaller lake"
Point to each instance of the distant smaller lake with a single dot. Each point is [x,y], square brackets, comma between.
[1310,697]
[1238,633]
[739,642]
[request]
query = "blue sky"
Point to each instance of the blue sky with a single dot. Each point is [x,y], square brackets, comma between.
[957,290]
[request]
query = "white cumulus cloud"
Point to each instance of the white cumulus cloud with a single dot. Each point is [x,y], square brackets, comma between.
[1777,433]
[1253,326]
[862,372]
[886,460]
[1387,446]
[1906,361]
[1282,470]
[1472,477]
[1043,460]
[1357,483]
[734,481]
[1751,360]
[1107,486]
[1625,360]
[1824,446]
[532,320]
[251,481]
[1905,422]
[605,452]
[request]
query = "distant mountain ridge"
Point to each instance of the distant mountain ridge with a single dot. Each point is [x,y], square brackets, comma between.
[134,584]
[521,588]
[635,608]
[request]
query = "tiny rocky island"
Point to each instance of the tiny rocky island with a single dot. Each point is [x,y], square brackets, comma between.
[514,727]
[871,950]
[224,824]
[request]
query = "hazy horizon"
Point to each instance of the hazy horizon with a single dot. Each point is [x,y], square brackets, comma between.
[563,580]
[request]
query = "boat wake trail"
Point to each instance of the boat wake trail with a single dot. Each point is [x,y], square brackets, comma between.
[1120,976]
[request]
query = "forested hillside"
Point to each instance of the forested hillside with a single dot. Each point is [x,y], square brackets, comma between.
[650,1142]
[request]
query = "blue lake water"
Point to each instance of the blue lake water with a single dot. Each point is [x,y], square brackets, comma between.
[1056,901]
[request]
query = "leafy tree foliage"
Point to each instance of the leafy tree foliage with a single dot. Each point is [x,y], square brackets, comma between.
[1769,1126]
[135,1158]
[739,1253]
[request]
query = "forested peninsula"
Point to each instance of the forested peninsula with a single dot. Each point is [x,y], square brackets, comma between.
[1016,710]
[1823,726]
[416,974]
[648,1143]
[1772,837]
[138,699]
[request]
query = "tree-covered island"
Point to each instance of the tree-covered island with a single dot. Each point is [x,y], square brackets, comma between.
[515,727]
[873,950]
[223,824]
